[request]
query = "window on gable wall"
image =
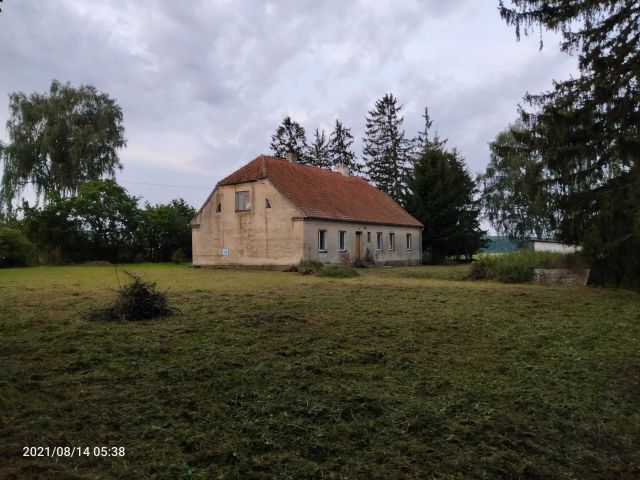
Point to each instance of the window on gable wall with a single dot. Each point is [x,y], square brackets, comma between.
[243,201]
[267,203]
[322,240]
[218,208]
[342,240]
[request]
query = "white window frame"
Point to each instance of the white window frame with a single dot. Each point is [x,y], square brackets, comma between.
[392,241]
[409,242]
[322,239]
[342,240]
[379,241]
[248,202]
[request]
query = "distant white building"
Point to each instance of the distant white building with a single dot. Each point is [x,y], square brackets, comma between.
[554,247]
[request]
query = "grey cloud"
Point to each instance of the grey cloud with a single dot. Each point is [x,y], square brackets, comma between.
[203,87]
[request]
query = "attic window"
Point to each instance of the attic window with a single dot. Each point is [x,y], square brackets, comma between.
[218,208]
[267,203]
[243,201]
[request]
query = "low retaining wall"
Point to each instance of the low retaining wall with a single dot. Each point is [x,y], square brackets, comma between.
[561,276]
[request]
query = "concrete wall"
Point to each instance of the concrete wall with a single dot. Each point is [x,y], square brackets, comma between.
[555,247]
[260,237]
[399,256]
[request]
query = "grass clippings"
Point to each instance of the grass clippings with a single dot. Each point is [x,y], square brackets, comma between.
[400,373]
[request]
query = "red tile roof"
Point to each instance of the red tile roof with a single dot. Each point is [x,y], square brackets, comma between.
[320,193]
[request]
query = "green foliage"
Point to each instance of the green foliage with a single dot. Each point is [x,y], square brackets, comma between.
[517,197]
[109,218]
[307,267]
[164,228]
[340,148]
[290,137]
[59,140]
[15,249]
[136,300]
[338,271]
[441,195]
[518,267]
[319,154]
[587,129]
[103,222]
[386,151]
[179,256]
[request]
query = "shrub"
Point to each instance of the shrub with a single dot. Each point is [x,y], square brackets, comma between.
[307,267]
[338,271]
[138,300]
[482,268]
[179,256]
[518,267]
[15,249]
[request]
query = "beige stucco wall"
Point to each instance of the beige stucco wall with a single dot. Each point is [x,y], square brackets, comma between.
[260,237]
[399,256]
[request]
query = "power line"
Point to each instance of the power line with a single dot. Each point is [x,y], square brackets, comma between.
[165,185]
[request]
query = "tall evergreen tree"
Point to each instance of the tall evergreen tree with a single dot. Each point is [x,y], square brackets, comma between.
[424,140]
[290,137]
[59,139]
[587,129]
[340,147]
[441,195]
[319,152]
[386,152]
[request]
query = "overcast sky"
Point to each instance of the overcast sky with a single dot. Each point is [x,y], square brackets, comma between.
[203,84]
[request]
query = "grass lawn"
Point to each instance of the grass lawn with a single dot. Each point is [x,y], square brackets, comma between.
[398,373]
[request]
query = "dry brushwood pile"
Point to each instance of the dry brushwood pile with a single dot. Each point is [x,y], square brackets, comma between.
[137,300]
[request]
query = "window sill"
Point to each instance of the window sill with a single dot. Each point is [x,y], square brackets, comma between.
[323,251]
[243,211]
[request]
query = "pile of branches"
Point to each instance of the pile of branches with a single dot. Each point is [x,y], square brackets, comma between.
[137,300]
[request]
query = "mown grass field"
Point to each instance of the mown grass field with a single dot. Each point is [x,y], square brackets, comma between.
[398,373]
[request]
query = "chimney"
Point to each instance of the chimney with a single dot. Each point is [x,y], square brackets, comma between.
[343,169]
[292,157]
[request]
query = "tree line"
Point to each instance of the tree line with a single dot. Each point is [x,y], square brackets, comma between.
[568,168]
[431,181]
[64,144]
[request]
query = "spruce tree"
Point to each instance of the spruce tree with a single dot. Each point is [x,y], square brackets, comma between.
[441,195]
[340,147]
[319,153]
[386,152]
[587,128]
[290,137]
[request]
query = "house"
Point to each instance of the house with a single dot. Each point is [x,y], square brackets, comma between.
[540,245]
[274,212]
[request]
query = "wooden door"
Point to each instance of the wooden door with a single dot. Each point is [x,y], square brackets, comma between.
[358,241]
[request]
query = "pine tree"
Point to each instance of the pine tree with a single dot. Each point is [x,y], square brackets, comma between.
[340,147]
[319,153]
[290,137]
[386,152]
